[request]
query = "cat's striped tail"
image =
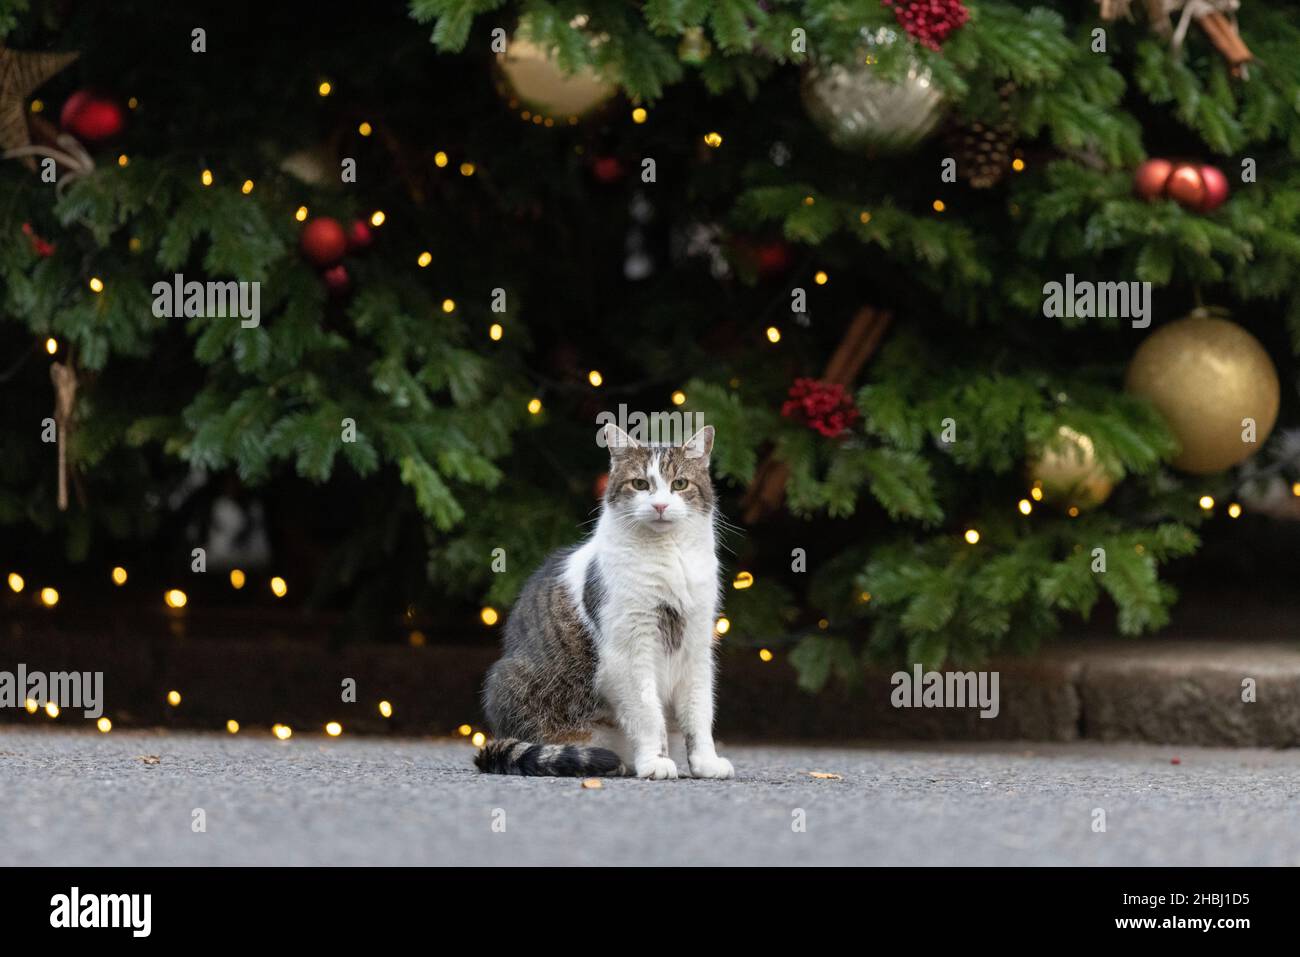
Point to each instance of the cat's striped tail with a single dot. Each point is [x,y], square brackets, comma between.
[512,756]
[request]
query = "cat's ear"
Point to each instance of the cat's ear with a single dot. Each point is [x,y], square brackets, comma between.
[700,444]
[617,441]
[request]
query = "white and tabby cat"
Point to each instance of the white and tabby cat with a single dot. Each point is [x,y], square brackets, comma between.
[608,652]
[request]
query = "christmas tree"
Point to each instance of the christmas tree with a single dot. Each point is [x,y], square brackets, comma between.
[944,276]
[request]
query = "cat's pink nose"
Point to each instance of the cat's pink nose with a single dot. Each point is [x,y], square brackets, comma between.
[660,508]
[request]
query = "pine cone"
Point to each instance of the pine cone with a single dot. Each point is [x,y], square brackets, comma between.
[983,151]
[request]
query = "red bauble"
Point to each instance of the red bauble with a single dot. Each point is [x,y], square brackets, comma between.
[607,169]
[599,486]
[1150,179]
[323,241]
[92,117]
[359,235]
[39,245]
[337,280]
[773,259]
[1186,187]
[1216,188]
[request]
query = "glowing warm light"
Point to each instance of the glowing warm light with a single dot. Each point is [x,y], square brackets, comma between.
[377,218]
[385,709]
[52,709]
[51,345]
[278,587]
[449,306]
[864,597]
[237,578]
[467,169]
[489,616]
[972,536]
[206,177]
[49,597]
[1036,493]
[823,623]
[1234,510]
[713,139]
[426,257]
[365,129]
[324,88]
[1072,511]
[123,159]
[478,739]
[679,397]
[810,200]
[37,106]
[282,731]
[1025,506]
[864,217]
[495,332]
[1295,489]
[31,706]
[743,580]
[104,725]
[232,726]
[247,187]
[132,103]
[595,378]
[773,334]
[764,655]
[333,729]
[938,205]
[174,698]
[119,575]
[821,278]
[534,406]
[300,214]
[465,730]
[96,284]
[16,582]
[175,598]
[722,626]
[1017,165]
[440,159]
[1206,502]
[639,115]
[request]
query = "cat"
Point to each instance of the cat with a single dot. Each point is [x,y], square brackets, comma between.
[609,648]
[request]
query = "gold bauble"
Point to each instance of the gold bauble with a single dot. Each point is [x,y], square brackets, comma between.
[1068,473]
[862,110]
[533,82]
[1206,375]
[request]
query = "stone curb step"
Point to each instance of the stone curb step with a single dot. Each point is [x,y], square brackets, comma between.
[1195,692]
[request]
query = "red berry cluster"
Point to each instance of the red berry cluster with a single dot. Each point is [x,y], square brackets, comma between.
[929,21]
[828,408]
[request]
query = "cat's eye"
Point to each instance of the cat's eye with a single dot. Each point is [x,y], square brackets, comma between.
[640,485]
[679,485]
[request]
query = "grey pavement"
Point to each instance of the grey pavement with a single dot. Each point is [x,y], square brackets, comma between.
[82,798]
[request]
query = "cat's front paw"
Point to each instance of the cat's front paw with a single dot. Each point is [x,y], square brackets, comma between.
[656,769]
[714,767]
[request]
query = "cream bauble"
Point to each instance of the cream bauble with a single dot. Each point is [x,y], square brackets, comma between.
[533,81]
[1214,384]
[1068,473]
[864,110]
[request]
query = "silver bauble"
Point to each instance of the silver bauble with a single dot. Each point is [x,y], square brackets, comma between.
[863,111]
